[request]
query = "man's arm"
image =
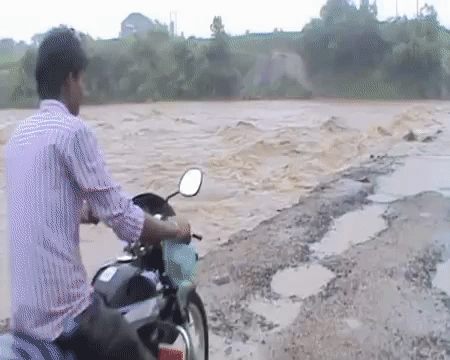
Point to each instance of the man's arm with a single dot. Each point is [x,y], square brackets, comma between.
[86,216]
[106,198]
[154,230]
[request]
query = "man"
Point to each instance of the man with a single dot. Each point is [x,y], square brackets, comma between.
[55,180]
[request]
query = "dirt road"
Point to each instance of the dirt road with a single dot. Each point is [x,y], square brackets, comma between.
[289,289]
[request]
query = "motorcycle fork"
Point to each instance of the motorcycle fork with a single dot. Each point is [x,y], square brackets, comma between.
[188,341]
[180,321]
[184,335]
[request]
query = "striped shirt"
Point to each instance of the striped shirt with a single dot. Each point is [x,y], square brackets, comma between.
[52,164]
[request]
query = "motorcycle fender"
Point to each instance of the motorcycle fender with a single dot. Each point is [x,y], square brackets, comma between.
[184,289]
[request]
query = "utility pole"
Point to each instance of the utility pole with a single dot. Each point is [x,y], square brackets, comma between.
[176,23]
[171,25]
[396,8]
[174,13]
[417,8]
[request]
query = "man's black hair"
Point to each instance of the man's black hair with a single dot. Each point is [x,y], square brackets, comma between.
[59,54]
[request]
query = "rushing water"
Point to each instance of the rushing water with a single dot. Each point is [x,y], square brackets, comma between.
[257,157]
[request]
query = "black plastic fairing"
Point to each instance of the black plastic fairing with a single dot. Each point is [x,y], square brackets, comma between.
[126,287]
[153,204]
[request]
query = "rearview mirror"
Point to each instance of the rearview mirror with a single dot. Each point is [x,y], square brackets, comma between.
[191,182]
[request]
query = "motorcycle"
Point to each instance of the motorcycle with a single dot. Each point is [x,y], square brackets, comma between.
[152,286]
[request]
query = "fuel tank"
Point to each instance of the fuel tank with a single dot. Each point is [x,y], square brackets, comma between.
[123,284]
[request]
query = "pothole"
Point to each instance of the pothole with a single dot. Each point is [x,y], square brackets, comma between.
[442,274]
[292,284]
[281,312]
[351,229]
[440,280]
[418,174]
[301,282]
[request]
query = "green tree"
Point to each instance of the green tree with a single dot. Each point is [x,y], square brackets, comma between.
[24,83]
[416,53]
[219,77]
[217,27]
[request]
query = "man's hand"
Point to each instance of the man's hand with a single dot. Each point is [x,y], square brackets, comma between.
[183,229]
[156,230]
[86,214]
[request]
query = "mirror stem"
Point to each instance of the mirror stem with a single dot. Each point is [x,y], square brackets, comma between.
[171,196]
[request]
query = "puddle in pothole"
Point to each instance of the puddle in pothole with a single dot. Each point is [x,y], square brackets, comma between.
[301,282]
[440,280]
[418,174]
[442,275]
[281,312]
[351,229]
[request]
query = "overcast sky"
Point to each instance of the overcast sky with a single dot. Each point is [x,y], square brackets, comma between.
[102,19]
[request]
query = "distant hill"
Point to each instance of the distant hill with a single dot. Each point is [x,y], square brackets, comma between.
[272,70]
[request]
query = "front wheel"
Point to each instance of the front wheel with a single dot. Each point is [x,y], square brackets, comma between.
[197,327]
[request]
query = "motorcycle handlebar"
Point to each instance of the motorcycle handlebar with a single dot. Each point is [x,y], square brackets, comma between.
[198,237]
[138,244]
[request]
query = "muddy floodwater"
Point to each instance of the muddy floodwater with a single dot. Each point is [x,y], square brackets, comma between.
[257,156]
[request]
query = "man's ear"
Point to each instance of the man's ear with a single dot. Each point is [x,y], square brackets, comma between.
[65,83]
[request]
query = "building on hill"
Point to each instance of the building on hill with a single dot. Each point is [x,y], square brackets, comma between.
[140,24]
[135,23]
